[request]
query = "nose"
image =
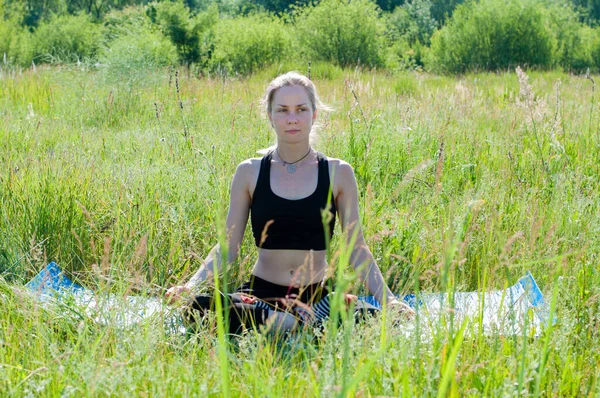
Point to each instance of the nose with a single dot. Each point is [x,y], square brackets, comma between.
[292,118]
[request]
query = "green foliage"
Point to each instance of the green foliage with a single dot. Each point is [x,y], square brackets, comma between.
[346,33]
[67,39]
[280,6]
[128,21]
[127,55]
[173,18]
[441,10]
[245,44]
[15,43]
[389,5]
[33,12]
[573,41]
[98,8]
[486,34]
[492,35]
[403,56]
[408,29]
[416,24]
[595,47]
[589,10]
[203,24]
[134,44]
[234,8]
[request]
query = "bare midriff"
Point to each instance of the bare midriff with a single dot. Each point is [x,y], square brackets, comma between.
[295,268]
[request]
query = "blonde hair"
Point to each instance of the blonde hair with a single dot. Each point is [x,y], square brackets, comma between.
[294,79]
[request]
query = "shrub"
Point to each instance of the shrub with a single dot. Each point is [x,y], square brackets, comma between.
[128,21]
[343,32]
[188,34]
[403,56]
[413,21]
[127,55]
[173,18]
[203,24]
[595,48]
[493,35]
[578,55]
[15,44]
[408,28]
[441,10]
[277,6]
[389,5]
[67,39]
[245,44]
[574,41]
[33,12]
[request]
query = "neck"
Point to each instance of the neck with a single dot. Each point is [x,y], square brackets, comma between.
[292,152]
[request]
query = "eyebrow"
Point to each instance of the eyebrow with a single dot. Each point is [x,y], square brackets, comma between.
[285,106]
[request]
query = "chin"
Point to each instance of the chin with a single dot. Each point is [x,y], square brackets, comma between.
[293,138]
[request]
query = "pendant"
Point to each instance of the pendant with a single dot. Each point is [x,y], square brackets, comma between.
[291,168]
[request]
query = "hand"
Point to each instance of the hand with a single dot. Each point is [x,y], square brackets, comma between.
[176,293]
[401,310]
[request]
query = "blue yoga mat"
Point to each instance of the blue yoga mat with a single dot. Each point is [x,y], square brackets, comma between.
[506,311]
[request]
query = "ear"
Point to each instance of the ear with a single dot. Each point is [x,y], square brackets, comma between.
[314,117]
[270,120]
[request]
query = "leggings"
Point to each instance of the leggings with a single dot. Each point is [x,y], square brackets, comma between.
[249,306]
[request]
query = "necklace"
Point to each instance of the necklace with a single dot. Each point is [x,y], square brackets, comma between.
[291,167]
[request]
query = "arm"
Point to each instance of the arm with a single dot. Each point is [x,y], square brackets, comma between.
[237,217]
[361,257]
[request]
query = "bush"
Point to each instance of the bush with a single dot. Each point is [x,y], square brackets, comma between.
[403,56]
[15,43]
[343,32]
[441,10]
[245,44]
[203,27]
[173,18]
[413,22]
[67,39]
[574,41]
[578,55]
[408,29]
[129,21]
[127,55]
[595,48]
[493,35]
[186,33]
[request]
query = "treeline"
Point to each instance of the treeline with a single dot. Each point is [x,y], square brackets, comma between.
[241,36]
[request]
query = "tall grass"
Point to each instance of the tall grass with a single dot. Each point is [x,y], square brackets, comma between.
[97,175]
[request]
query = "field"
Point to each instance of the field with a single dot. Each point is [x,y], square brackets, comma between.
[466,183]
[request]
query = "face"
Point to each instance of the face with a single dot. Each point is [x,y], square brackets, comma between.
[292,115]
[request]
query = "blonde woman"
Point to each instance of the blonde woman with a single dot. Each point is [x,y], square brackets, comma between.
[292,195]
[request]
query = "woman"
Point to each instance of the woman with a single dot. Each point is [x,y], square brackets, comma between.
[292,195]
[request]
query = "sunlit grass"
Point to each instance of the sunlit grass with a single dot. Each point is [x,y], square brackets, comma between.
[126,190]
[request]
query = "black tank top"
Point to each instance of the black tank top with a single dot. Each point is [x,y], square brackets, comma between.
[294,224]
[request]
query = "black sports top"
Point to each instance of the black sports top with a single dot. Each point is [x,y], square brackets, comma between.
[297,224]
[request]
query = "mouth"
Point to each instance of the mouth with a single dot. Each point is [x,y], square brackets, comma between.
[292,131]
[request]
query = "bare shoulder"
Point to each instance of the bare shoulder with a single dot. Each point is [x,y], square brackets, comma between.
[249,166]
[341,170]
[342,174]
[247,172]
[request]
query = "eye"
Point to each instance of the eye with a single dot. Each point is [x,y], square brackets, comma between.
[281,110]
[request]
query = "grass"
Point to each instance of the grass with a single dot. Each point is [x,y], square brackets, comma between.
[463,187]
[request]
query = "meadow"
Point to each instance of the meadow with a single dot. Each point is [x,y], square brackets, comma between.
[465,184]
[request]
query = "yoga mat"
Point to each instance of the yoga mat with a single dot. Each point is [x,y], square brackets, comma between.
[514,310]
